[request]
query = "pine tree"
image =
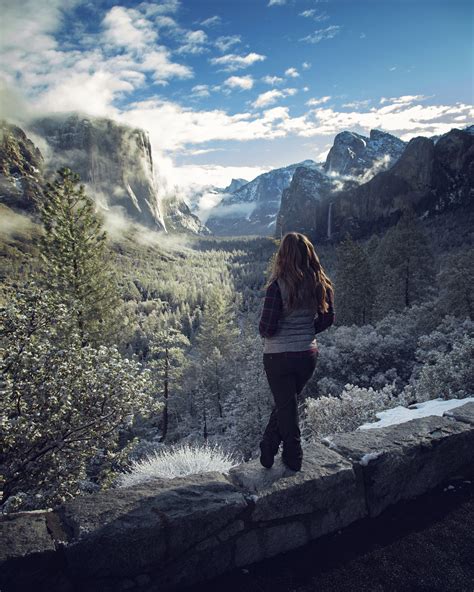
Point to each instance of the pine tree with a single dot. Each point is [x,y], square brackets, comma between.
[167,350]
[74,256]
[215,340]
[218,324]
[354,284]
[456,284]
[404,266]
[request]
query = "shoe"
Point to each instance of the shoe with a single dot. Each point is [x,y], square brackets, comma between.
[294,466]
[295,460]
[266,456]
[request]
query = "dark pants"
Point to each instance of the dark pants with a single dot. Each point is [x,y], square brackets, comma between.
[287,376]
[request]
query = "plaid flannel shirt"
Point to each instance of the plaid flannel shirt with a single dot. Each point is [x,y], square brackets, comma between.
[273,308]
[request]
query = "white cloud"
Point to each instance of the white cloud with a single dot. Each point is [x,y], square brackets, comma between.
[321,34]
[126,27]
[29,24]
[271,96]
[314,15]
[235,209]
[156,8]
[165,22]
[82,91]
[225,42]
[194,42]
[201,90]
[267,98]
[158,63]
[276,2]
[212,21]
[403,118]
[357,104]
[313,102]
[292,73]
[306,65]
[172,126]
[323,155]
[405,99]
[232,61]
[243,82]
[217,175]
[110,64]
[272,80]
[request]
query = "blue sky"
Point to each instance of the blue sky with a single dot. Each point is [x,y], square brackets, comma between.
[232,88]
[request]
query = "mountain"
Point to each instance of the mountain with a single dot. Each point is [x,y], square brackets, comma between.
[355,155]
[114,162]
[235,184]
[433,177]
[253,208]
[21,168]
[303,202]
[180,219]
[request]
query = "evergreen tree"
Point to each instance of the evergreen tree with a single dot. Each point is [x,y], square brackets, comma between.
[456,284]
[216,340]
[167,350]
[354,285]
[73,252]
[218,324]
[404,266]
[62,403]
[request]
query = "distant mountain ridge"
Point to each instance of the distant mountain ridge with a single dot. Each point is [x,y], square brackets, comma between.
[253,208]
[360,188]
[431,175]
[264,206]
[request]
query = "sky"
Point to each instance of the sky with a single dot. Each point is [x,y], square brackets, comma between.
[233,88]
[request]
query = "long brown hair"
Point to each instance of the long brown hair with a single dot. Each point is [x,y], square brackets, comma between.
[297,264]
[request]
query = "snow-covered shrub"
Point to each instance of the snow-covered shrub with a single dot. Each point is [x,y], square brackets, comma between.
[356,405]
[450,375]
[178,461]
[372,355]
[62,403]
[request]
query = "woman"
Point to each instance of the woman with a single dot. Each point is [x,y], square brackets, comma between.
[299,302]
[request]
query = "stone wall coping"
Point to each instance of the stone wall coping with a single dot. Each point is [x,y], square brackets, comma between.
[187,529]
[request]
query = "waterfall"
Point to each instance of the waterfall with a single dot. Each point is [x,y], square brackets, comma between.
[329,220]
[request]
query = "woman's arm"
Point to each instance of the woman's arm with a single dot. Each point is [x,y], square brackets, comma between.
[325,319]
[271,312]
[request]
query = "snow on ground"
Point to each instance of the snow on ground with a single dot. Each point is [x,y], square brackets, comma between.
[401,414]
[368,457]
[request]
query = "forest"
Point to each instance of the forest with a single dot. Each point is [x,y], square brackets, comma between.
[116,347]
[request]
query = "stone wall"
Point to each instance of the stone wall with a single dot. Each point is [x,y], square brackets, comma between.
[170,533]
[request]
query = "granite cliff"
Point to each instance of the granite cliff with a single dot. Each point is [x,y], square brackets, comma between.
[432,175]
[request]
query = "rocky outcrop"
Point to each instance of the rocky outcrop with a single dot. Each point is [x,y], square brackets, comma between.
[114,161]
[252,209]
[303,203]
[432,178]
[180,219]
[170,533]
[21,169]
[234,185]
[355,155]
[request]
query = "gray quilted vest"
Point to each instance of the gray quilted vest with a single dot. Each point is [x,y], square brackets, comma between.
[295,329]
